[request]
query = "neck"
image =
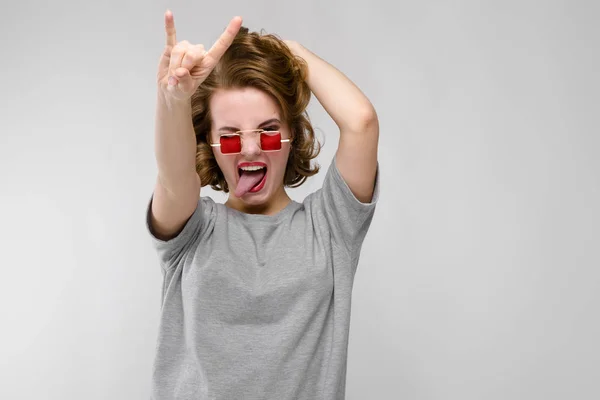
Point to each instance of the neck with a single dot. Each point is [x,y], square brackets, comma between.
[278,201]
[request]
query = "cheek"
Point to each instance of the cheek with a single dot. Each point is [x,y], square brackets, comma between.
[225,164]
[280,162]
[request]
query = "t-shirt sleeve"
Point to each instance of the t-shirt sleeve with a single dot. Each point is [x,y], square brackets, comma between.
[171,251]
[348,219]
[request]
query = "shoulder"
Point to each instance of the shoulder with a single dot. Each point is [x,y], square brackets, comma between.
[337,212]
[337,192]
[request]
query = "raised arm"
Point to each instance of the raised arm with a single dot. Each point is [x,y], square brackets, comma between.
[182,68]
[355,116]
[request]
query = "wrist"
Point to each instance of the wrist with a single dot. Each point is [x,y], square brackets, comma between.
[172,103]
[293,46]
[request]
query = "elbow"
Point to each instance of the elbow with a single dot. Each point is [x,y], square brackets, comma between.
[370,119]
[365,121]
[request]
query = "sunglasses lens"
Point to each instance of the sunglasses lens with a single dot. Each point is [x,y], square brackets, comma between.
[270,141]
[230,144]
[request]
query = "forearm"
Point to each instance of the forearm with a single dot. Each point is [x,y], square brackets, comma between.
[175,144]
[349,108]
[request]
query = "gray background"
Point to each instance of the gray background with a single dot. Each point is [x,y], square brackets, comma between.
[479,278]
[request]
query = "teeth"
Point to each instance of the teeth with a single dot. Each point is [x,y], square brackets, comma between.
[254,168]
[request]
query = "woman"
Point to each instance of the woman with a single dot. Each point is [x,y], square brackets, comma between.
[256,295]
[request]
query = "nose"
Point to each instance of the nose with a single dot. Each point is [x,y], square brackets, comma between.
[250,145]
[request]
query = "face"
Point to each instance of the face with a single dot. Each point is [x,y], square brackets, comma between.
[249,109]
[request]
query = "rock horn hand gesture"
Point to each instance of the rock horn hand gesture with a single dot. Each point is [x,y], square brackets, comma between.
[184,66]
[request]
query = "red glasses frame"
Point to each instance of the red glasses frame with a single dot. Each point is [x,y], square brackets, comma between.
[231,143]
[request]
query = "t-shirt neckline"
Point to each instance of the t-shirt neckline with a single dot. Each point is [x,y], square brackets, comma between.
[292,204]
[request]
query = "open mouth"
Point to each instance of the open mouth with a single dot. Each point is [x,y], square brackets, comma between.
[251,180]
[260,184]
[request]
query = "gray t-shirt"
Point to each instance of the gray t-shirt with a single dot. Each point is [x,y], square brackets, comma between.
[257,306]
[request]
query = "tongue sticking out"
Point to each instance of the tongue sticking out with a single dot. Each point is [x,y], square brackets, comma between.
[248,179]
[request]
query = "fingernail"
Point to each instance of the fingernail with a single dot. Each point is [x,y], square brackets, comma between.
[172,81]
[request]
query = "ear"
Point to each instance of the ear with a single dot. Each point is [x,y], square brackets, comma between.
[292,134]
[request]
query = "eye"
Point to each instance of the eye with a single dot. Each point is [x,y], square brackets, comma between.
[271,128]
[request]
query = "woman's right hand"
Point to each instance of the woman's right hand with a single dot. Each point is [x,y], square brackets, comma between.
[184,66]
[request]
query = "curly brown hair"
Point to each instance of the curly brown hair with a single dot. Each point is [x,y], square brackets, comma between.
[264,62]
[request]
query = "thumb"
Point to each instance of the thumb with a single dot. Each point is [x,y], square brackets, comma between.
[186,83]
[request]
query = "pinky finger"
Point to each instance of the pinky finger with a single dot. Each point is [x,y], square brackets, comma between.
[165,58]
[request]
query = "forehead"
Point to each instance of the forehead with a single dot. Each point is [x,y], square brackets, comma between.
[242,108]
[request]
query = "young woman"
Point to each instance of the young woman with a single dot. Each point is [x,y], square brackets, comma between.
[257,291]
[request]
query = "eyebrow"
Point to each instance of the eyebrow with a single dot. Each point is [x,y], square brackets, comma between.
[262,124]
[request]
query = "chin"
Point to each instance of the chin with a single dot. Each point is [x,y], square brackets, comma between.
[254,199]
[261,197]
[257,202]
[261,200]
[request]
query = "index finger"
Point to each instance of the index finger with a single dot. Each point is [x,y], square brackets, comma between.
[170,29]
[225,40]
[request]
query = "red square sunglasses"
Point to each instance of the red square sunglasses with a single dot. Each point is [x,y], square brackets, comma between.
[231,143]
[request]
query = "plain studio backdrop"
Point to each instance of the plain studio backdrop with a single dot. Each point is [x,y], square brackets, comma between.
[479,278]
